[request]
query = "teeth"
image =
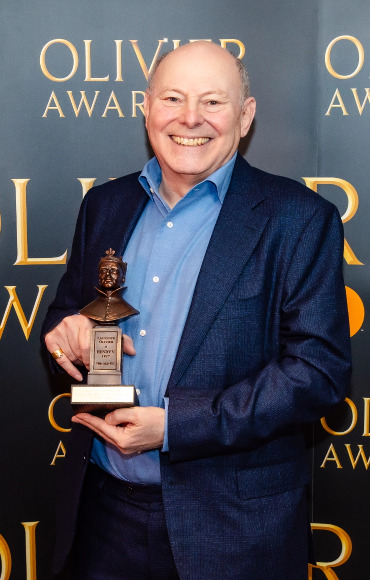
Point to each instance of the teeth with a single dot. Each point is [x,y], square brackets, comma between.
[190,142]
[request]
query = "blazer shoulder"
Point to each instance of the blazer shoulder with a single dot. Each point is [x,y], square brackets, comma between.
[287,197]
[121,186]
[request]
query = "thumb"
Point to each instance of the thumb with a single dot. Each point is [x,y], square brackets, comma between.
[128,345]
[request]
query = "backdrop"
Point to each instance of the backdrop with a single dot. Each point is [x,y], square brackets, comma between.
[71,92]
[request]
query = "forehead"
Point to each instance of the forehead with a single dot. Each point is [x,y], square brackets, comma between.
[201,68]
[109,264]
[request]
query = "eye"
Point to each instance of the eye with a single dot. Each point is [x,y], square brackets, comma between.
[213,103]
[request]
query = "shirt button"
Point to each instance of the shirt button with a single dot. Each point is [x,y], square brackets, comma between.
[169,224]
[143,332]
[151,190]
[155,279]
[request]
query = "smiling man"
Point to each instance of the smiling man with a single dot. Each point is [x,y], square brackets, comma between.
[195,116]
[242,337]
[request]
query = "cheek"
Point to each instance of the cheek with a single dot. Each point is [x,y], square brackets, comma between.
[159,119]
[226,125]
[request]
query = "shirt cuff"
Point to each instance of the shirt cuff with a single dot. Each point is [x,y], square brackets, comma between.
[165,440]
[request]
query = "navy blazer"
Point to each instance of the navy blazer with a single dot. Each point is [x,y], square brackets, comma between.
[265,348]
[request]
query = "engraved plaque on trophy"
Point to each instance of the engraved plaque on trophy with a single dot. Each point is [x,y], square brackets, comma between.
[104,390]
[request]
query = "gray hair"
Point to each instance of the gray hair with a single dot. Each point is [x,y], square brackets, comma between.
[243,74]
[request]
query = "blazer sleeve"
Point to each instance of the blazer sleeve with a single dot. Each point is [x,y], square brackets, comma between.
[69,296]
[310,375]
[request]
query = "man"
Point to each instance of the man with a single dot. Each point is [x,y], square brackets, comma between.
[242,337]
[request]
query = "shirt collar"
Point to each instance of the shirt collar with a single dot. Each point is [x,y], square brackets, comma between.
[151,177]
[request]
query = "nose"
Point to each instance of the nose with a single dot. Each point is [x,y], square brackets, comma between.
[191,115]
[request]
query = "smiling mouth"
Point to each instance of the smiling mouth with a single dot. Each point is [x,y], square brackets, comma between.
[190,142]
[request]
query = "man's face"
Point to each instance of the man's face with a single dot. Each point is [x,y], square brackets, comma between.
[110,275]
[194,114]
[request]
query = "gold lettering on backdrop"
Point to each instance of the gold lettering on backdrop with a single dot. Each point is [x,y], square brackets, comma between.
[89,108]
[74,53]
[30,533]
[49,107]
[5,559]
[135,104]
[60,452]
[116,107]
[22,238]
[346,551]
[14,301]
[51,417]
[360,454]
[366,417]
[340,104]
[337,102]
[225,41]
[352,197]
[87,183]
[354,413]
[140,57]
[5,555]
[331,456]
[88,76]
[360,106]
[356,311]
[119,60]
[361,56]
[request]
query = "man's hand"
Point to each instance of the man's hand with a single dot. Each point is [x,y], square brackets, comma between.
[72,337]
[132,430]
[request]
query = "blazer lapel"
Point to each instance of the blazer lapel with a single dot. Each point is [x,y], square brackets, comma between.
[236,234]
[124,212]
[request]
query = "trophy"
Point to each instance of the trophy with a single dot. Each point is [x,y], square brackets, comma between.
[104,392]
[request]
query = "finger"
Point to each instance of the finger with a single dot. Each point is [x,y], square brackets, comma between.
[55,342]
[60,337]
[77,330]
[109,433]
[128,345]
[66,364]
[121,416]
[116,435]
[85,344]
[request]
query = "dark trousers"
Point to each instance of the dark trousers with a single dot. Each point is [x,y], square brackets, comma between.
[121,532]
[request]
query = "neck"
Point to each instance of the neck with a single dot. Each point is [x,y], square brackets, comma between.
[173,191]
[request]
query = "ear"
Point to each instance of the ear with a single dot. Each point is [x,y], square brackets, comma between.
[247,116]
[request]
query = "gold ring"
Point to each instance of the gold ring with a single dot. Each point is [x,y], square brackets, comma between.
[58,353]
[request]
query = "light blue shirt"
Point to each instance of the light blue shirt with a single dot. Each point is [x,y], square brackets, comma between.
[163,256]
